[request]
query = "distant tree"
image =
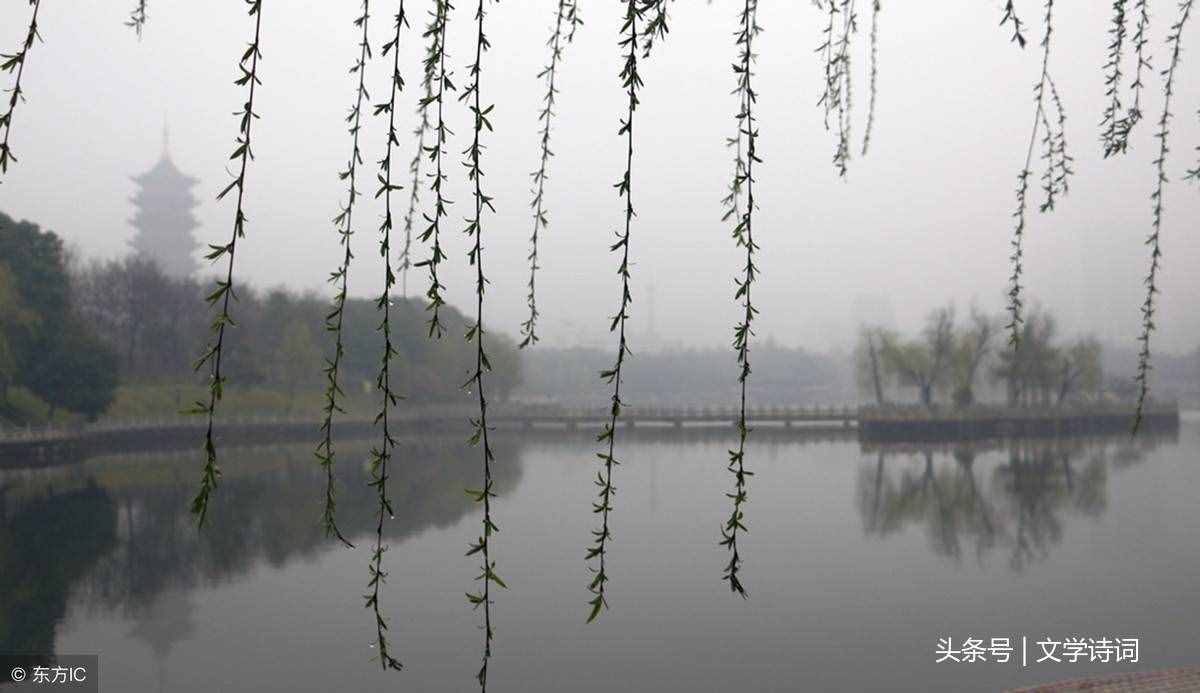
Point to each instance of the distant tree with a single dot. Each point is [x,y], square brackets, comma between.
[925,363]
[1081,373]
[972,345]
[53,354]
[149,320]
[15,320]
[911,363]
[868,366]
[36,275]
[297,360]
[1031,372]
[78,372]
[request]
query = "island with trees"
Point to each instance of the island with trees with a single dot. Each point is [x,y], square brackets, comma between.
[954,379]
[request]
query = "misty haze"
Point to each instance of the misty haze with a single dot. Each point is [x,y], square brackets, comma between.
[820,346]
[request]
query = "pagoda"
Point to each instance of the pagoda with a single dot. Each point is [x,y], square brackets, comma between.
[163,217]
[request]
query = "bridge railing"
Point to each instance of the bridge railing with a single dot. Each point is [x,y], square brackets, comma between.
[504,413]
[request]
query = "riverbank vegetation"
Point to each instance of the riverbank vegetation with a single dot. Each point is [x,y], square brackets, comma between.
[85,340]
[783,375]
[147,319]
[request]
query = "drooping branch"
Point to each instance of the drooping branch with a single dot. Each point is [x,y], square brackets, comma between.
[832,83]
[743,235]
[381,455]
[480,434]
[435,71]
[837,92]
[568,12]
[1055,179]
[1124,125]
[404,262]
[1109,133]
[344,224]
[137,18]
[1010,16]
[1150,305]
[1058,161]
[633,31]
[224,291]
[657,26]
[10,62]
[872,88]
[845,107]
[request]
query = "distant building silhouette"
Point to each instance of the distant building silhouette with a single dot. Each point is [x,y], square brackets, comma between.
[163,217]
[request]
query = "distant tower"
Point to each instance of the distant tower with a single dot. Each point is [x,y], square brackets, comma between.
[163,217]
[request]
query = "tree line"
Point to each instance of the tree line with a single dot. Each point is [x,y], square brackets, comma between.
[783,375]
[952,362]
[75,337]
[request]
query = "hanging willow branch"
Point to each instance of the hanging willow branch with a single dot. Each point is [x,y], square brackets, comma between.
[631,80]
[435,72]
[137,18]
[381,455]
[1010,16]
[344,224]
[875,6]
[849,28]
[830,66]
[1058,161]
[414,195]
[474,230]
[1110,135]
[837,94]
[568,12]
[414,166]
[223,293]
[657,26]
[743,234]
[1150,305]
[10,62]
[1124,125]
[1055,179]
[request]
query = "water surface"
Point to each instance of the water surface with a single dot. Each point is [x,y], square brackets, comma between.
[858,561]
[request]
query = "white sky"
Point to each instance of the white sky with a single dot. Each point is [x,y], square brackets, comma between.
[922,219]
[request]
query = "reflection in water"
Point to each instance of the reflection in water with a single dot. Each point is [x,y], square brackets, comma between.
[1017,505]
[164,623]
[47,544]
[124,540]
[104,555]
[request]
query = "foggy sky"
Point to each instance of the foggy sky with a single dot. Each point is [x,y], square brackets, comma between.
[924,218]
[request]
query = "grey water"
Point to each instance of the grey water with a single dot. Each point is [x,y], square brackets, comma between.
[858,561]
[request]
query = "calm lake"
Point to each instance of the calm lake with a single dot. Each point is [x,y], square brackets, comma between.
[858,561]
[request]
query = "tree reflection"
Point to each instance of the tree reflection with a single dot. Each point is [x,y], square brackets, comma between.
[970,501]
[48,542]
[123,539]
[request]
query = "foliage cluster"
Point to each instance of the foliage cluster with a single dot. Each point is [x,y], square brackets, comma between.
[146,317]
[47,346]
[954,362]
